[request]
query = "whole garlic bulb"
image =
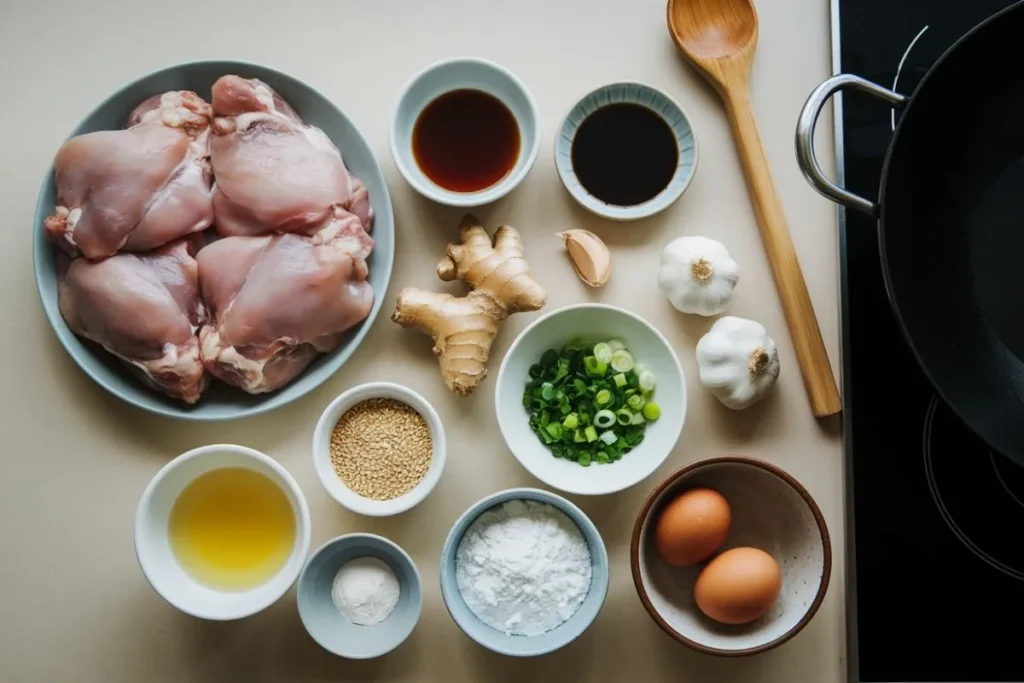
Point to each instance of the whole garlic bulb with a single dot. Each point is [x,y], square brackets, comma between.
[738,361]
[697,275]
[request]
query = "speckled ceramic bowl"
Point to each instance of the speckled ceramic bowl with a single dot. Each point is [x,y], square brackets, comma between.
[656,101]
[770,510]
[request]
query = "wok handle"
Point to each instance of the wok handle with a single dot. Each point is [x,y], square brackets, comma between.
[805,137]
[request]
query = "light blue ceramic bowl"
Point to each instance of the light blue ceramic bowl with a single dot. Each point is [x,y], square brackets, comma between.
[525,646]
[220,402]
[333,631]
[655,100]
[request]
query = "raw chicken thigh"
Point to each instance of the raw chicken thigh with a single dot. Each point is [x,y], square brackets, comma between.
[275,173]
[139,188]
[277,301]
[287,277]
[145,309]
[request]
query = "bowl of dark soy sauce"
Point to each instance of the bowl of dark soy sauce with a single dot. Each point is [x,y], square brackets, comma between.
[465,132]
[626,151]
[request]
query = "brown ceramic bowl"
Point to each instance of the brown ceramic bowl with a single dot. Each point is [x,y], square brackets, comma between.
[770,510]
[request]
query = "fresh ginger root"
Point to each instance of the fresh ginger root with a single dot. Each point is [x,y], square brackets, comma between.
[463,328]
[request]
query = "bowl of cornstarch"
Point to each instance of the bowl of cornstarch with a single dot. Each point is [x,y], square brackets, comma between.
[359,596]
[524,572]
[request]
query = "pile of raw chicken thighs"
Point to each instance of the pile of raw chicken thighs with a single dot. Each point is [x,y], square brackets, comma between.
[278,279]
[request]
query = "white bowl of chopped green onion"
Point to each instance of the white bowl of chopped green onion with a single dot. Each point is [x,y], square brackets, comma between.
[591,399]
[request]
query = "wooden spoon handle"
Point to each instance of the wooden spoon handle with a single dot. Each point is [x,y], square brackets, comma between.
[789,280]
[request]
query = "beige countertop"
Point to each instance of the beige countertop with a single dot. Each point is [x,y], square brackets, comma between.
[74,605]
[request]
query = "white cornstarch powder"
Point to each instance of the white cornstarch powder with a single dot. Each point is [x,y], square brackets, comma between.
[523,567]
[365,591]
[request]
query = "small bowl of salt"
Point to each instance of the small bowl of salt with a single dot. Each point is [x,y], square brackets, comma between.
[360,596]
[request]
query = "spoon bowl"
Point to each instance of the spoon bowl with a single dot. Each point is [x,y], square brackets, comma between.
[712,29]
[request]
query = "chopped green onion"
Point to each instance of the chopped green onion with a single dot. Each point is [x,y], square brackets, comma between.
[646,380]
[586,396]
[594,367]
[622,361]
[652,411]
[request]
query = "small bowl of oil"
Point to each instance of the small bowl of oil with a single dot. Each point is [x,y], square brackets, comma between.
[222,532]
[465,132]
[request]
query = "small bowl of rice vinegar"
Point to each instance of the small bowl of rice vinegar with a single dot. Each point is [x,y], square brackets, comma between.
[222,532]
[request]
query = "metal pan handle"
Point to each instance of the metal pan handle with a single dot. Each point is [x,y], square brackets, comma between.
[805,137]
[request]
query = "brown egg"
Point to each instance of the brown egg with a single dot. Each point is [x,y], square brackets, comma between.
[738,586]
[692,527]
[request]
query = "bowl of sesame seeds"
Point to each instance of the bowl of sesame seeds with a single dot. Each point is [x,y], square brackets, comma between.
[379,449]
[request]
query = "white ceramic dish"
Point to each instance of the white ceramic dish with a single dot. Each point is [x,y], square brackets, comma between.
[658,102]
[322,449]
[597,322]
[153,549]
[771,511]
[456,74]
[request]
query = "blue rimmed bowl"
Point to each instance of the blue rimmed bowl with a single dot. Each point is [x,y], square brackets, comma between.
[515,645]
[628,93]
[326,625]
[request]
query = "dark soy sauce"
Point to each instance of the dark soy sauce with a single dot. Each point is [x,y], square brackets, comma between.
[466,140]
[624,154]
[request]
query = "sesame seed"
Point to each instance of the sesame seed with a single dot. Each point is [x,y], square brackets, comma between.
[381,448]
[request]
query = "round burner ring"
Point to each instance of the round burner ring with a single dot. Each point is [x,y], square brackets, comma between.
[1002,481]
[933,488]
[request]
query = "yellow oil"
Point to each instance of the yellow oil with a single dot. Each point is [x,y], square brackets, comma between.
[232,529]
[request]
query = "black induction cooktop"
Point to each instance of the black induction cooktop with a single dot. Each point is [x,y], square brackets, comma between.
[935,518]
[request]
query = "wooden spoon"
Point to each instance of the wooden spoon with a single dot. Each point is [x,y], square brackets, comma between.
[718,37]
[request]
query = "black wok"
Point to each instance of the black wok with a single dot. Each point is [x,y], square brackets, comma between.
[950,216]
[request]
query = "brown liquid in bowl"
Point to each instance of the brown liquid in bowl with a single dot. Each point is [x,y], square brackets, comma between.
[624,154]
[466,140]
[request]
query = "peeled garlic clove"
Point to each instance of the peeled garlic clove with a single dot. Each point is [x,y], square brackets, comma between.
[589,256]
